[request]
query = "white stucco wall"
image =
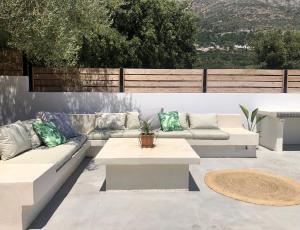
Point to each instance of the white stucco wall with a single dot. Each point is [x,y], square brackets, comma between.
[17,103]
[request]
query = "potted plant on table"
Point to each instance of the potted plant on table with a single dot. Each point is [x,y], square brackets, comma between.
[147,135]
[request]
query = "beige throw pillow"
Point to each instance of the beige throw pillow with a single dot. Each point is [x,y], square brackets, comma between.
[34,139]
[132,120]
[203,121]
[83,123]
[183,120]
[14,140]
[111,121]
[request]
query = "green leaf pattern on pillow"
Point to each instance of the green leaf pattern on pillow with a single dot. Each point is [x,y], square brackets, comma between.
[49,134]
[169,121]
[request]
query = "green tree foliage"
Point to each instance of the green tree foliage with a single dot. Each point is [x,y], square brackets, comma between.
[3,39]
[227,59]
[277,49]
[145,33]
[52,31]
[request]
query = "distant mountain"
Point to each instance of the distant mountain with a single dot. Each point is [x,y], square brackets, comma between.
[227,26]
[236,15]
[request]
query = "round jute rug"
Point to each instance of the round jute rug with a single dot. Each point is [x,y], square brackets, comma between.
[254,186]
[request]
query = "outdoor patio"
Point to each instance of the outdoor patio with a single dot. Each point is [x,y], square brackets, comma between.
[80,204]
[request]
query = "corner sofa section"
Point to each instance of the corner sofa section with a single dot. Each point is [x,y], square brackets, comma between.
[29,180]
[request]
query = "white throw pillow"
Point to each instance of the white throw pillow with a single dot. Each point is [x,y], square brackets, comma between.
[14,140]
[112,121]
[203,121]
[152,115]
[34,139]
[132,120]
[183,120]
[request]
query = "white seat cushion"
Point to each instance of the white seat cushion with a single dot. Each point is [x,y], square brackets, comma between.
[175,134]
[241,136]
[209,134]
[58,155]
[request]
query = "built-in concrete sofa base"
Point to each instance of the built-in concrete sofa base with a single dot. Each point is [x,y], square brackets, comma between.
[225,151]
[204,151]
[24,195]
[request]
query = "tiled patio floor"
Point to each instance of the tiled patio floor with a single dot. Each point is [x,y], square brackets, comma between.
[80,204]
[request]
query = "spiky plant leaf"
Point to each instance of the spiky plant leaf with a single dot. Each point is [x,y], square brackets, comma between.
[254,114]
[245,111]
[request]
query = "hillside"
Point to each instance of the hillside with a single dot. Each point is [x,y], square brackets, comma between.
[235,15]
[227,26]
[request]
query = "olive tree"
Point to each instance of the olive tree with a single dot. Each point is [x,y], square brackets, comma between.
[277,49]
[51,32]
[146,33]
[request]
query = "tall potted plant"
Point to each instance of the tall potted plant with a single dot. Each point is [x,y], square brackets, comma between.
[147,135]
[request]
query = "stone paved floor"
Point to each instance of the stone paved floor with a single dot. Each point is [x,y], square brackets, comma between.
[80,205]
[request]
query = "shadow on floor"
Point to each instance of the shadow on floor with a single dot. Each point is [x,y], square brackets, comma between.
[45,215]
[193,187]
[291,147]
[87,164]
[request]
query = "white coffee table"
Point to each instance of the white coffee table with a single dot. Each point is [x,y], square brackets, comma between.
[130,167]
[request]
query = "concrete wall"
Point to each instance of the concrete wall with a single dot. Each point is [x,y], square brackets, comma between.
[17,103]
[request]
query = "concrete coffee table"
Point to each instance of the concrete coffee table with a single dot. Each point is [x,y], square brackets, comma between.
[130,167]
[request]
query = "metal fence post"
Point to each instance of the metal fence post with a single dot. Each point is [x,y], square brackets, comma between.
[204,81]
[30,77]
[285,81]
[25,64]
[121,80]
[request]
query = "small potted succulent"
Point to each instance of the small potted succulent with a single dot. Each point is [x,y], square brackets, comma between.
[147,135]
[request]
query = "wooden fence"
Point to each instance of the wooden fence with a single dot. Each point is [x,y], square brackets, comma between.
[11,63]
[294,81]
[166,80]
[151,80]
[163,80]
[75,79]
[245,81]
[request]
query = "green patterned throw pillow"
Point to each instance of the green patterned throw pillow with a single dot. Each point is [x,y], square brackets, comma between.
[169,121]
[49,134]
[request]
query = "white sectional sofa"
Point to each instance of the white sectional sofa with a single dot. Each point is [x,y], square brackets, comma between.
[29,180]
[230,139]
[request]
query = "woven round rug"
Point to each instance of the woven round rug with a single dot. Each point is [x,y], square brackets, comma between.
[254,186]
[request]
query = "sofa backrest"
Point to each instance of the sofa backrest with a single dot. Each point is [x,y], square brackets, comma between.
[230,121]
[83,123]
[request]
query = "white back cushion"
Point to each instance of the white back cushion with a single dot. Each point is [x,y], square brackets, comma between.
[14,140]
[133,120]
[203,121]
[183,120]
[112,121]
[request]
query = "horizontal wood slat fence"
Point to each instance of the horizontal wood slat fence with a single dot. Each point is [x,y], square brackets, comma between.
[294,81]
[75,80]
[244,81]
[11,63]
[165,80]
